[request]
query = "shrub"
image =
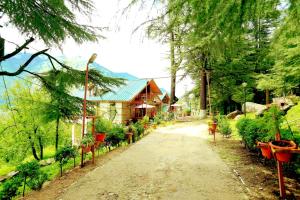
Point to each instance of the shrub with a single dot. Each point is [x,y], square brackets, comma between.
[102,125]
[10,188]
[157,119]
[145,120]
[31,175]
[37,182]
[139,128]
[88,140]
[115,135]
[64,154]
[224,126]
[262,128]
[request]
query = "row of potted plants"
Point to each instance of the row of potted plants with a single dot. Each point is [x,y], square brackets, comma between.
[267,134]
[112,134]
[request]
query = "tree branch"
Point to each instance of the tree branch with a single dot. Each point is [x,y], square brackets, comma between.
[19,49]
[22,67]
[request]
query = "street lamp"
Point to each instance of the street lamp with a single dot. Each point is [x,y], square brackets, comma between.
[244,85]
[91,60]
[191,96]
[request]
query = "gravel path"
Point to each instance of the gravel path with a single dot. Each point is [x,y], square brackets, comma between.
[172,163]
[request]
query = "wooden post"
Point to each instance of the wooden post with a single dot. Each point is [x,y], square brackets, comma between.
[203,95]
[279,170]
[94,135]
[281,180]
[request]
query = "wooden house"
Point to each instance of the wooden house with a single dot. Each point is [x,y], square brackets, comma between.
[131,101]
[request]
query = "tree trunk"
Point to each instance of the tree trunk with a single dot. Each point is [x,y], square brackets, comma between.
[41,148]
[24,186]
[173,68]
[2,47]
[267,96]
[56,136]
[203,94]
[33,148]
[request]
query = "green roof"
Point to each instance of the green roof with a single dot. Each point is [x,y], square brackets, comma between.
[123,93]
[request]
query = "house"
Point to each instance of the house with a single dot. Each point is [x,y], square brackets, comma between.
[165,99]
[131,101]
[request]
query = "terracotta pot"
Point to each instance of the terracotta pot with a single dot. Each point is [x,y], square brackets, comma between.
[265,149]
[86,149]
[100,137]
[282,145]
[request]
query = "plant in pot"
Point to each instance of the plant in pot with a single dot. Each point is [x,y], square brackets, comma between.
[102,126]
[86,142]
[276,144]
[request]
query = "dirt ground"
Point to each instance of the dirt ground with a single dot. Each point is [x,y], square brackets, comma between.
[175,162]
[259,175]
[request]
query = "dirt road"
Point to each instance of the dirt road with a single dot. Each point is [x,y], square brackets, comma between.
[172,163]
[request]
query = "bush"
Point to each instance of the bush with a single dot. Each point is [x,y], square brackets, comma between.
[64,154]
[10,188]
[157,119]
[139,128]
[224,126]
[102,125]
[37,182]
[262,128]
[145,120]
[31,174]
[115,135]
[88,140]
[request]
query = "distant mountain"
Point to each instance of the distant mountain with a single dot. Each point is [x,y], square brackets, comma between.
[41,63]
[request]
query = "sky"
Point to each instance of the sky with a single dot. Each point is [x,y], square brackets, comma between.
[121,50]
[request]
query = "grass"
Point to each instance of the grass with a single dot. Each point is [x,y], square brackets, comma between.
[6,168]
[293,117]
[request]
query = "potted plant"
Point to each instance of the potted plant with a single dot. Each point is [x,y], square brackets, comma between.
[102,126]
[86,142]
[279,148]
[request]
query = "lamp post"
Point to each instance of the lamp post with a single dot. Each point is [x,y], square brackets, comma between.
[91,60]
[244,86]
[191,96]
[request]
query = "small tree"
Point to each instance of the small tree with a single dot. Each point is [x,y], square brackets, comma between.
[10,188]
[64,154]
[31,175]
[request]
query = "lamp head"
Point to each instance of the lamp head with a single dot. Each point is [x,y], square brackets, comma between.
[92,58]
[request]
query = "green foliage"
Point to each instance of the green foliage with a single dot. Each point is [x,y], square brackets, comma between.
[103,125]
[145,120]
[262,128]
[10,188]
[64,154]
[31,175]
[224,126]
[139,128]
[115,135]
[88,140]
[52,21]
[158,118]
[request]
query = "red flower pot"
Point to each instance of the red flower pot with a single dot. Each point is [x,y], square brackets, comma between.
[285,145]
[86,149]
[100,137]
[265,149]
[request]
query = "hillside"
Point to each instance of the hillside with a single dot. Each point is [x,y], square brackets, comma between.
[41,64]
